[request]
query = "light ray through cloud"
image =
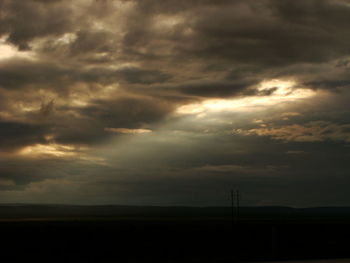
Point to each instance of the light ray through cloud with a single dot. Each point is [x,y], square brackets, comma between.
[282,91]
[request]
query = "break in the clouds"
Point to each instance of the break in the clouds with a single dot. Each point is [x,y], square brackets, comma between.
[174,102]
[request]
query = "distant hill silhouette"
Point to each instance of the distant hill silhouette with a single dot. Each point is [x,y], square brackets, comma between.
[33,211]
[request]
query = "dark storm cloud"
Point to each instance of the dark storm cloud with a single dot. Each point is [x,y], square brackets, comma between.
[218,90]
[194,91]
[17,174]
[120,112]
[88,41]
[90,127]
[265,33]
[171,6]
[95,66]
[18,134]
[20,73]
[330,84]
[127,112]
[138,76]
[24,21]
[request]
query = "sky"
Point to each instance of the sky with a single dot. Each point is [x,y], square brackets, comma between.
[175,102]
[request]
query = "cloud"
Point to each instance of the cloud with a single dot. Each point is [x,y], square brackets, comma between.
[128,131]
[77,75]
[295,152]
[139,76]
[51,150]
[24,21]
[315,131]
[17,134]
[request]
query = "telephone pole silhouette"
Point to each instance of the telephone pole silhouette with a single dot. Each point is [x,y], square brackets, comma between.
[235,196]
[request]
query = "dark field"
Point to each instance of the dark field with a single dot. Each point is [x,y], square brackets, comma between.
[129,234]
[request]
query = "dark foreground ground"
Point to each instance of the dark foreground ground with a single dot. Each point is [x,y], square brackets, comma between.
[168,238]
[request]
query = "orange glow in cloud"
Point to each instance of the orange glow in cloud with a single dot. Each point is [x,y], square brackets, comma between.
[284,91]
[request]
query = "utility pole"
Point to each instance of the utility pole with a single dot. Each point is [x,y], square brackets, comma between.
[235,195]
[237,204]
[232,208]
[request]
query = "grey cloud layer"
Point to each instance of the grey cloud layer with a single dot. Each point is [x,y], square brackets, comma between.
[109,64]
